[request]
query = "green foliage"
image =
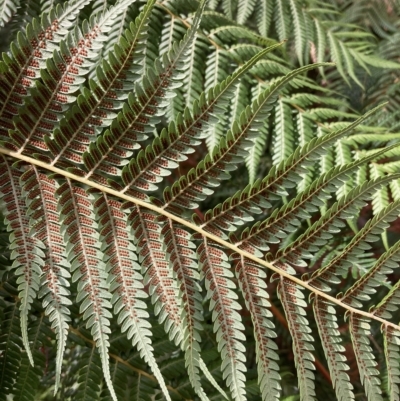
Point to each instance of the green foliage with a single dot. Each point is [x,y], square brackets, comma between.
[197,204]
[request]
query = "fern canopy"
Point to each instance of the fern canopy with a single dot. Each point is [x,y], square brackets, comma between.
[199,200]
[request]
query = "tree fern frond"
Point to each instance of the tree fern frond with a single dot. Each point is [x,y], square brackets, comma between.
[391,347]
[151,165]
[96,108]
[113,133]
[193,85]
[232,149]
[325,316]
[54,280]
[360,243]
[145,110]
[264,11]
[322,230]
[27,250]
[293,302]
[88,267]
[182,257]
[155,269]
[227,322]
[284,132]
[299,30]
[10,347]
[126,281]
[89,375]
[360,330]
[216,71]
[63,76]
[245,9]
[29,55]
[7,9]
[252,284]
[282,19]
[229,8]
[376,276]
[286,219]
[250,200]
[29,375]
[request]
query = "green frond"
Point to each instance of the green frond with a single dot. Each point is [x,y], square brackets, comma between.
[125,280]
[29,53]
[229,8]
[55,272]
[263,13]
[96,108]
[88,267]
[292,299]
[258,196]
[245,9]
[145,108]
[7,9]
[29,376]
[27,251]
[228,324]
[391,349]
[253,287]
[164,170]
[216,71]
[303,206]
[300,32]
[89,375]
[360,330]
[37,118]
[282,19]
[233,148]
[10,347]
[283,133]
[331,223]
[325,317]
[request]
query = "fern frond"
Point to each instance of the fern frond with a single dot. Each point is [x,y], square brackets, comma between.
[29,376]
[125,280]
[7,9]
[150,166]
[19,71]
[292,299]
[325,316]
[351,253]
[232,149]
[250,200]
[330,223]
[216,71]
[264,11]
[155,269]
[299,30]
[182,257]
[10,347]
[145,110]
[27,250]
[227,322]
[89,375]
[245,9]
[54,290]
[254,289]
[283,133]
[282,19]
[96,108]
[88,268]
[63,76]
[285,220]
[360,330]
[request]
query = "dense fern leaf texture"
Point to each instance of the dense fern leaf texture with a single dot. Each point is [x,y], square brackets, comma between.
[196,203]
